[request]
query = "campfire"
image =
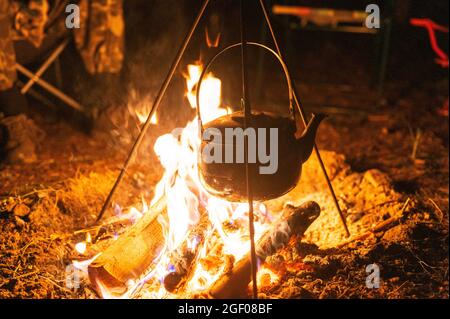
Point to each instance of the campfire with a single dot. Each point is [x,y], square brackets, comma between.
[185,241]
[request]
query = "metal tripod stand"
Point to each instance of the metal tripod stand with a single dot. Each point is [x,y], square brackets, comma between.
[247,111]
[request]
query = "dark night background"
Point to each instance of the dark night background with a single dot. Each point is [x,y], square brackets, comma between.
[154,30]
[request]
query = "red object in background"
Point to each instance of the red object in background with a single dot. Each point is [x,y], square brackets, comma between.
[432,27]
[442,58]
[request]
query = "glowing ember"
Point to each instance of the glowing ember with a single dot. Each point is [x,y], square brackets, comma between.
[267,277]
[81,247]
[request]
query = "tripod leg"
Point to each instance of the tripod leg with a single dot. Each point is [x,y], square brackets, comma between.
[247,122]
[155,106]
[303,116]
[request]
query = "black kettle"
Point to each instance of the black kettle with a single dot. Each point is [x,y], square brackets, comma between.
[225,177]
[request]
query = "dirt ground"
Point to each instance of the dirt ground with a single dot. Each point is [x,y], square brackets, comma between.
[45,203]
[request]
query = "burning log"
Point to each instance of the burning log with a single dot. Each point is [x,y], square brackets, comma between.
[131,255]
[294,221]
[183,258]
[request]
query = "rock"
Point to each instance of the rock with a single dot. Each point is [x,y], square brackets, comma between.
[397,234]
[21,210]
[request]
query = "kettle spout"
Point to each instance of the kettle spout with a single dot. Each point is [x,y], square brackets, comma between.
[306,141]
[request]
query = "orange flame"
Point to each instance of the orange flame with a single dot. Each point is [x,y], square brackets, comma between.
[141,107]
[212,42]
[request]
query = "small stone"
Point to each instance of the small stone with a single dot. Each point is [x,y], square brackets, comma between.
[20,223]
[21,210]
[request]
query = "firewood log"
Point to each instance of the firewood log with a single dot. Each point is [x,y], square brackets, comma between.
[131,255]
[293,221]
[183,258]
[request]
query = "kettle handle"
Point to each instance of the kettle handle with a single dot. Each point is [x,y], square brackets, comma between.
[232,46]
